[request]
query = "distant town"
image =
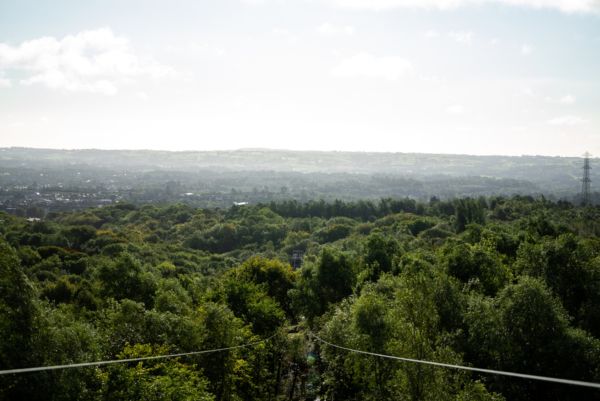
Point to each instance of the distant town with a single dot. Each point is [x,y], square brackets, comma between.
[35,182]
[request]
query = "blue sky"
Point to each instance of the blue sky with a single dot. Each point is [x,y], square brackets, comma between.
[442,76]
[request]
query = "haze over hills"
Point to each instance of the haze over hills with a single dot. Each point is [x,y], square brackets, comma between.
[52,177]
[304,161]
[560,172]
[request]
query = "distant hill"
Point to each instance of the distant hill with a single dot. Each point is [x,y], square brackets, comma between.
[302,175]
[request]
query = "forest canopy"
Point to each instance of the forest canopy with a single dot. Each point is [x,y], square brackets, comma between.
[506,283]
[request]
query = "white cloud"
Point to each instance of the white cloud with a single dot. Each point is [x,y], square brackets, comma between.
[4,82]
[193,48]
[367,65]
[528,91]
[567,99]
[387,4]
[94,61]
[59,80]
[568,121]
[328,29]
[567,6]
[526,49]
[290,37]
[461,37]
[143,96]
[432,33]
[280,32]
[455,109]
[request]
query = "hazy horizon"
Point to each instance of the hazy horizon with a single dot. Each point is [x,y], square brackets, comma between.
[592,156]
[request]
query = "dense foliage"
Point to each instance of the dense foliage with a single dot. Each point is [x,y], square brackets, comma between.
[500,283]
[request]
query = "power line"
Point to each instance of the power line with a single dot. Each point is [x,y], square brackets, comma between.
[585,181]
[115,361]
[480,370]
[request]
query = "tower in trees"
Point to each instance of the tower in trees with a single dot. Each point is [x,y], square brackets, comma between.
[296,260]
[585,181]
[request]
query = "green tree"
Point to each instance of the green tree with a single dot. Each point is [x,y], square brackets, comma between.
[476,262]
[125,278]
[380,253]
[168,380]
[278,277]
[18,314]
[525,329]
[570,267]
[468,211]
[395,316]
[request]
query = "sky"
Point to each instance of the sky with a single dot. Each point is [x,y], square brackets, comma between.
[510,77]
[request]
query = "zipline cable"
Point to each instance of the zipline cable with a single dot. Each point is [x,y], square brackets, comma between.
[115,361]
[451,366]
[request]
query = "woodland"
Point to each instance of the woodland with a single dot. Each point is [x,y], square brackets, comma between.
[504,283]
